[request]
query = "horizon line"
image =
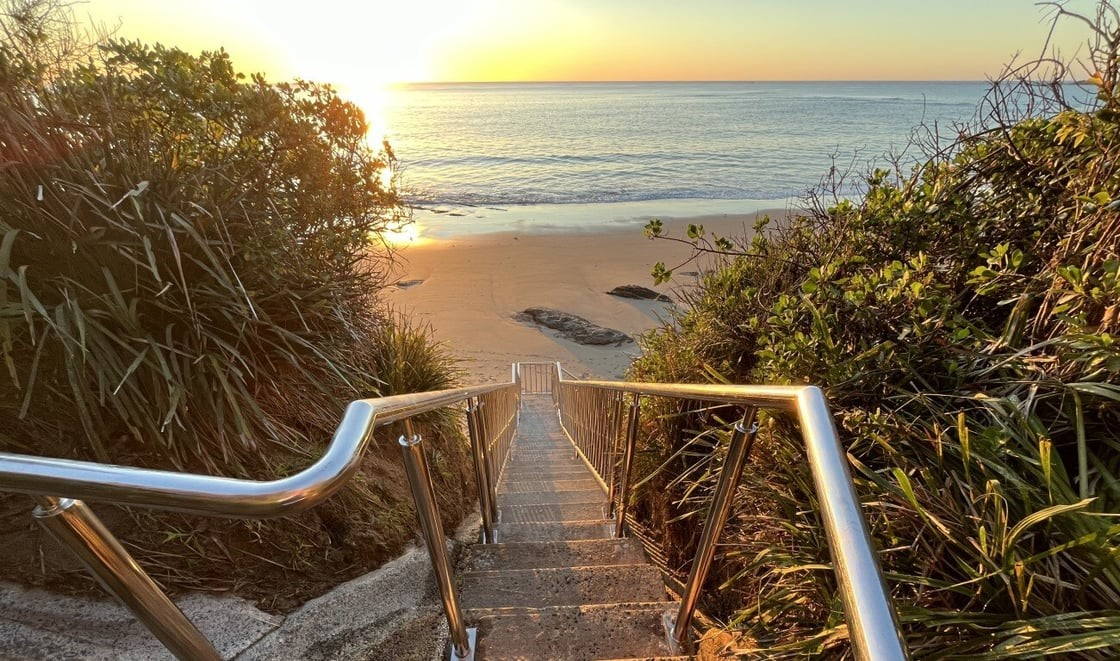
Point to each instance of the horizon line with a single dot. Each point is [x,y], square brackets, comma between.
[682,81]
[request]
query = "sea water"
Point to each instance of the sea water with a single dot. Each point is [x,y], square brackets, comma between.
[485,157]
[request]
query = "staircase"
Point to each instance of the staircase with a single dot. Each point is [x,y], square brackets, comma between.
[556,585]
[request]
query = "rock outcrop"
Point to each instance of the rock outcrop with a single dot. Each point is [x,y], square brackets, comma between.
[639,292]
[573,327]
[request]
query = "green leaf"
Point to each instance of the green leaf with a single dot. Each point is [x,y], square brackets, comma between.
[1040,516]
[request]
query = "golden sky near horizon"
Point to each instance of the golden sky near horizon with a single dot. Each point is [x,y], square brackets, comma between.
[367,44]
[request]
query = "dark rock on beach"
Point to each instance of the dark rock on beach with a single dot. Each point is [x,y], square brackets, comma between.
[573,327]
[640,292]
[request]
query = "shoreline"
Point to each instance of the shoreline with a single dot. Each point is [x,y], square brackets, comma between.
[450,221]
[469,287]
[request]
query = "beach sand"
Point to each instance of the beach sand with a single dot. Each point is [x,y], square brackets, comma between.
[470,287]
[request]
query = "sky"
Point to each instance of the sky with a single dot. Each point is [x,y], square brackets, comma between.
[368,44]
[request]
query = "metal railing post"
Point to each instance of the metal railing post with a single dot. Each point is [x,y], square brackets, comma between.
[493,472]
[481,475]
[420,481]
[616,423]
[737,452]
[76,527]
[598,422]
[627,463]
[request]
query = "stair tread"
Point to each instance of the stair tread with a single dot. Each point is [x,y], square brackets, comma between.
[552,497]
[568,553]
[631,630]
[553,513]
[562,586]
[555,531]
[537,486]
[520,473]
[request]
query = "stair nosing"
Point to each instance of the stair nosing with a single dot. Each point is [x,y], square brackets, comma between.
[591,503]
[473,615]
[585,521]
[546,542]
[538,570]
[622,605]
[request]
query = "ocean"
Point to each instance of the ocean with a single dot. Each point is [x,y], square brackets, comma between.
[525,156]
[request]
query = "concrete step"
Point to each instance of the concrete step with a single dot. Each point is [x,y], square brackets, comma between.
[562,586]
[537,555]
[537,467]
[35,624]
[574,632]
[529,486]
[530,473]
[552,513]
[552,497]
[543,456]
[555,532]
[568,472]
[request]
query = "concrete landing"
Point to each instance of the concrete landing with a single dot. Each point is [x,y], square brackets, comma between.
[558,585]
[391,613]
[35,624]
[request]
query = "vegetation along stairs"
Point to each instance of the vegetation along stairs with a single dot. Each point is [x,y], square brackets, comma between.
[556,584]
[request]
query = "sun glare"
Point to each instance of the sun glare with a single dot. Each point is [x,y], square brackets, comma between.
[362,45]
[373,99]
[361,49]
[404,234]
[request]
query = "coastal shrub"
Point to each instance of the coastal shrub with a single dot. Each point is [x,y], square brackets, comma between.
[189,263]
[963,323]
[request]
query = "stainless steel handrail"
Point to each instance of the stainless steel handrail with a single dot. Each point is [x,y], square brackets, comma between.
[223,496]
[873,624]
[59,484]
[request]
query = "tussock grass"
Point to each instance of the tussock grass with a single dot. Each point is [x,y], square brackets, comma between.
[189,266]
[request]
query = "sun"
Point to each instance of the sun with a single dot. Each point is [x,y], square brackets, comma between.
[363,45]
[362,49]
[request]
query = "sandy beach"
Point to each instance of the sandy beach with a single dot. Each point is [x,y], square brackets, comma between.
[470,287]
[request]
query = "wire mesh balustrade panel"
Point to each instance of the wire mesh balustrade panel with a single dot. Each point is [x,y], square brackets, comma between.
[537,378]
[498,414]
[592,418]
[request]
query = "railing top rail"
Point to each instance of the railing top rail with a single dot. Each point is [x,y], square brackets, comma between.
[780,397]
[224,496]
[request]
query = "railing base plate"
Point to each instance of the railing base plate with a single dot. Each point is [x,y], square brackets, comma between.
[669,622]
[472,639]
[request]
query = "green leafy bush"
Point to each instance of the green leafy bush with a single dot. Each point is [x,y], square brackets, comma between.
[963,322]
